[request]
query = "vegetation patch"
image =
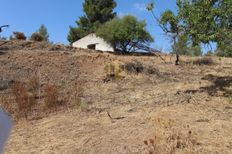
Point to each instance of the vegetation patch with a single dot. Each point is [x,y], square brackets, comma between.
[51,94]
[36,37]
[114,71]
[204,61]
[19,36]
[134,67]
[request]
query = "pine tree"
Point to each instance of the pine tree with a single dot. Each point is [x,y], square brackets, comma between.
[43,31]
[96,12]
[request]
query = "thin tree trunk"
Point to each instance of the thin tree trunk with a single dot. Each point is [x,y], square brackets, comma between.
[176,50]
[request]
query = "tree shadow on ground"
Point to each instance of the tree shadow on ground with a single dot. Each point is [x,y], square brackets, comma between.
[219,87]
[2,53]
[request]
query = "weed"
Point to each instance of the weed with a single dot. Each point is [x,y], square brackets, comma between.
[33,85]
[230,98]
[169,140]
[51,94]
[7,104]
[83,105]
[113,71]
[23,98]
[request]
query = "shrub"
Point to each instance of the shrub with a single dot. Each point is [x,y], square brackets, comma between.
[19,36]
[134,67]
[204,61]
[113,71]
[37,37]
[51,94]
[33,85]
[7,104]
[24,99]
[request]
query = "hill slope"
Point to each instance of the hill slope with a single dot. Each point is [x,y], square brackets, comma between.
[162,108]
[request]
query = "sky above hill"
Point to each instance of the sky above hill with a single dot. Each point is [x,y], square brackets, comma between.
[57,15]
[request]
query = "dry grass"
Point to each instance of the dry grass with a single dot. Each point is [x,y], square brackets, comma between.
[134,67]
[138,98]
[51,93]
[207,60]
[171,138]
[34,85]
[23,98]
[7,104]
[28,100]
[113,71]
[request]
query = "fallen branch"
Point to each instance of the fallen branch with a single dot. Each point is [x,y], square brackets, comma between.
[116,118]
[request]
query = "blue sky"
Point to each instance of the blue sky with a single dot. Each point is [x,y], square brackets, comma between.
[57,15]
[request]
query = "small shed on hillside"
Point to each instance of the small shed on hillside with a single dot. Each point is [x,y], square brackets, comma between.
[91,41]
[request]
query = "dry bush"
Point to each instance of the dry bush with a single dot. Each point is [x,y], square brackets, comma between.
[23,98]
[36,37]
[134,67]
[19,36]
[114,71]
[7,104]
[169,139]
[204,61]
[33,85]
[51,94]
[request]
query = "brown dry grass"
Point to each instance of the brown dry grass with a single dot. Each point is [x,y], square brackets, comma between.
[51,93]
[23,99]
[174,109]
[207,60]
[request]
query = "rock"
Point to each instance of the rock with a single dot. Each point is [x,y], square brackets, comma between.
[5,84]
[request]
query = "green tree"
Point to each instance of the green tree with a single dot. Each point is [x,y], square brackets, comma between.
[173,27]
[208,21]
[182,45]
[185,47]
[125,34]
[43,32]
[96,12]
[202,21]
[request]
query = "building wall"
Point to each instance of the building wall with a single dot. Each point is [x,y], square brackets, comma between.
[93,39]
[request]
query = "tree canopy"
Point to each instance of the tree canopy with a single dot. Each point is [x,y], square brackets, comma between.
[203,22]
[96,12]
[125,34]
[43,32]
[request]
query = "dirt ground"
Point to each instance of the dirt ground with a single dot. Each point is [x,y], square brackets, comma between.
[166,109]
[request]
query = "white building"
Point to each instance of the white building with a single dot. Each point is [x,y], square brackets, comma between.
[91,41]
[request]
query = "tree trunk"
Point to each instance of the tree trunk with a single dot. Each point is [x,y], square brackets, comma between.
[177,52]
